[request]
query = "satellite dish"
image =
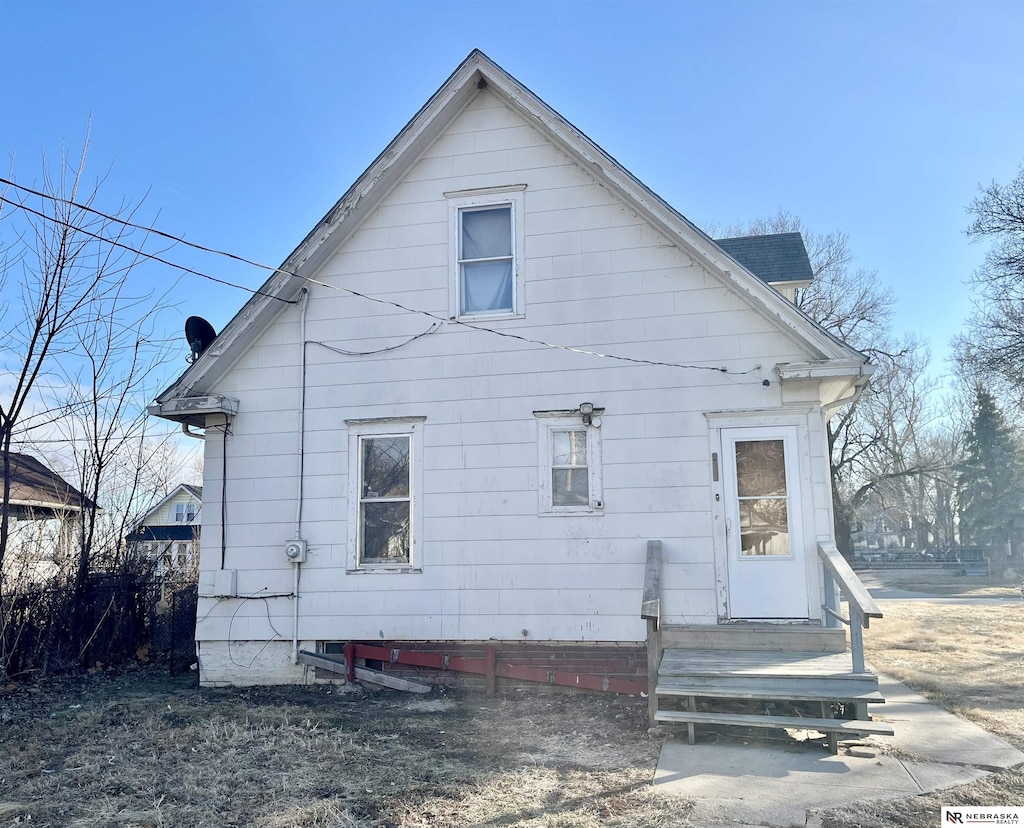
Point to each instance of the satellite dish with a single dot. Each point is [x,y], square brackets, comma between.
[200,335]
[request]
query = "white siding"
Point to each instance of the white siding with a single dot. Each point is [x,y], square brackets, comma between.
[595,276]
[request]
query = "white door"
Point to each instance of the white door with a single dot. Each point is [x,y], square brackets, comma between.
[767,563]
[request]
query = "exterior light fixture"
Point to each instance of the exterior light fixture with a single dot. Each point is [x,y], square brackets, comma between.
[586,412]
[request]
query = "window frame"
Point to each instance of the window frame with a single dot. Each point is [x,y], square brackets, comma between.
[464,201]
[410,427]
[180,512]
[548,423]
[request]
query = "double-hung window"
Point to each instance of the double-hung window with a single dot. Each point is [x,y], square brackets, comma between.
[383,470]
[569,465]
[486,263]
[184,512]
[488,252]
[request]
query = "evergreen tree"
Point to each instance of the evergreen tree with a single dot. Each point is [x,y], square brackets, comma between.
[990,490]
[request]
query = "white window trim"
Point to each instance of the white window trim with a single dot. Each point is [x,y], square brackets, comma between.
[547,424]
[411,427]
[486,197]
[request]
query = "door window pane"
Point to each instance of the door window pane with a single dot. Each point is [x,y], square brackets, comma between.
[761,468]
[764,527]
[763,501]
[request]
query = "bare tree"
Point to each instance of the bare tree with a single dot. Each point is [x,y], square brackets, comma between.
[76,348]
[992,347]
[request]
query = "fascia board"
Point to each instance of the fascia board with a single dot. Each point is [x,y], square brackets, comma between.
[194,410]
[825,369]
[54,505]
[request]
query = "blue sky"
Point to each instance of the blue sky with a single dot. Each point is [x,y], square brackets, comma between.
[242,123]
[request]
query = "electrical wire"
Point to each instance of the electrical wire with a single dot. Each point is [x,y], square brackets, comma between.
[143,253]
[309,280]
[342,351]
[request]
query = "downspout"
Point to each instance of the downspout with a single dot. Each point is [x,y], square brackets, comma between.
[853,396]
[304,304]
[188,432]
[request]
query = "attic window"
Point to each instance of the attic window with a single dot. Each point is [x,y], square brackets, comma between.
[487,253]
[486,263]
[184,512]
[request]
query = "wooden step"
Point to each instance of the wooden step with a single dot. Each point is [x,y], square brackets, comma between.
[830,689]
[797,637]
[759,664]
[847,726]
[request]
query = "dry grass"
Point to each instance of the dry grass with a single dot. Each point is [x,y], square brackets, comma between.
[142,751]
[943,582]
[969,659]
[966,658]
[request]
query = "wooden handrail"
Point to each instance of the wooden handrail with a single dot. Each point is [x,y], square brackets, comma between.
[651,607]
[856,593]
[861,605]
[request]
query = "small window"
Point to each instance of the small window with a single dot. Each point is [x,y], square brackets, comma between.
[569,469]
[383,465]
[487,252]
[486,264]
[184,512]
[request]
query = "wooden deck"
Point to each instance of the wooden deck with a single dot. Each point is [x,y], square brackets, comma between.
[711,670]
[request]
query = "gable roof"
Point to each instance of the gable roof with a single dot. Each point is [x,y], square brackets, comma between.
[193,491]
[475,73]
[776,258]
[38,491]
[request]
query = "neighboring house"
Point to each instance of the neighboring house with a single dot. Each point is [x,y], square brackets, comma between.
[42,507]
[168,534]
[505,365]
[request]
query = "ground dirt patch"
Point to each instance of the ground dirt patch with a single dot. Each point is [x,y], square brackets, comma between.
[142,750]
[139,750]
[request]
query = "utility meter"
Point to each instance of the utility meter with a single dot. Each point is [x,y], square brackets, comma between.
[295,551]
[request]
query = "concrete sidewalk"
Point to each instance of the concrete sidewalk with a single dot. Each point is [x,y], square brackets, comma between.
[745,784]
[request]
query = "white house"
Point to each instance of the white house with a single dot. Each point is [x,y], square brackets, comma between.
[496,369]
[168,534]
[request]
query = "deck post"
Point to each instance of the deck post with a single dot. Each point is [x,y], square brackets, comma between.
[650,610]
[857,640]
[831,600]
[653,660]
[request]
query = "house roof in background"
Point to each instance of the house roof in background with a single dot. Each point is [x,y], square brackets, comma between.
[775,258]
[195,491]
[190,489]
[35,487]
